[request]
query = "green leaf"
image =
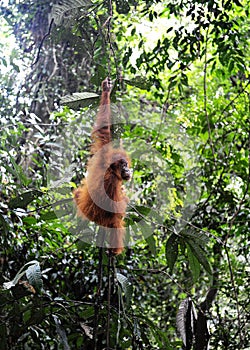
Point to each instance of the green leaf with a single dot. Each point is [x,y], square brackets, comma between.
[199,254]
[151,243]
[193,264]
[140,82]
[88,312]
[172,84]
[185,322]
[20,273]
[4,62]
[200,238]
[126,287]
[34,276]
[50,215]
[143,209]
[24,199]
[172,250]
[236,2]
[127,56]
[184,79]
[16,67]
[79,100]
[18,171]
[30,220]
[133,31]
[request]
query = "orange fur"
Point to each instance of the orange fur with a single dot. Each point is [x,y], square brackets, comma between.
[101,197]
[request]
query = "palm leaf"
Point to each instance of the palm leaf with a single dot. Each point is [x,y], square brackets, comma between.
[67,9]
[80,99]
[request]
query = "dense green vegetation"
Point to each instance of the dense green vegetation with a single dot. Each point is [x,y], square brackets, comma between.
[181,106]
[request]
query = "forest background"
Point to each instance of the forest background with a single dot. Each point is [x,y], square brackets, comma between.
[181,105]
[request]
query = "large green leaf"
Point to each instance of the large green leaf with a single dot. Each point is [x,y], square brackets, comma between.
[20,273]
[80,100]
[193,264]
[186,322]
[49,215]
[151,244]
[34,276]
[199,254]
[172,250]
[126,287]
[24,199]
